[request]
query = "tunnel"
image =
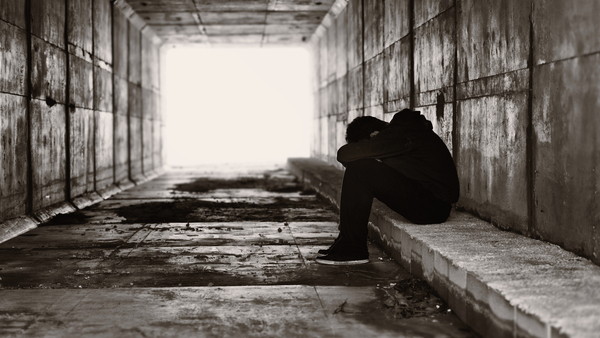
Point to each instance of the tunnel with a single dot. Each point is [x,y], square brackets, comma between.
[511,87]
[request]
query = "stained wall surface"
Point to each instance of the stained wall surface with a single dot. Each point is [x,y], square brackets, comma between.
[66,108]
[510,86]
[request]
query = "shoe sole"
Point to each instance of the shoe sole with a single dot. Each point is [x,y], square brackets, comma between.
[330,262]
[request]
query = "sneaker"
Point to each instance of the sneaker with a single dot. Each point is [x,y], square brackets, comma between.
[341,259]
[328,250]
[324,251]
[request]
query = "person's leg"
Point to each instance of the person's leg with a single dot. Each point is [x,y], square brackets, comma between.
[366,179]
[350,246]
[408,198]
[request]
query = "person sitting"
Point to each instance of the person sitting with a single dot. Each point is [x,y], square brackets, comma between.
[403,164]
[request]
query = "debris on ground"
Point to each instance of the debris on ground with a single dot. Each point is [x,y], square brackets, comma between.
[269,182]
[193,210]
[341,307]
[412,297]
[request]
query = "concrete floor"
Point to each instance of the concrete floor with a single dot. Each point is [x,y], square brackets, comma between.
[167,258]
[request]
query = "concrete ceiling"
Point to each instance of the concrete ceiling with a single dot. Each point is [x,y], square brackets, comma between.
[260,22]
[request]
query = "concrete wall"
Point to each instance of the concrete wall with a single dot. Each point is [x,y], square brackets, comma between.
[79,100]
[511,87]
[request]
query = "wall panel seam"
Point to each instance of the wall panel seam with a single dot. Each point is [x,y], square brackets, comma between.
[455,126]
[67,108]
[494,75]
[411,71]
[362,55]
[29,205]
[15,94]
[508,92]
[114,101]
[141,85]
[436,16]
[11,24]
[45,41]
[529,146]
[94,99]
[574,57]
[128,104]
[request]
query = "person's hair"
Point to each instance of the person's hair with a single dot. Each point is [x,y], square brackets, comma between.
[361,128]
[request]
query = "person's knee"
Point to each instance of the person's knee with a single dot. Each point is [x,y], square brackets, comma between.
[364,170]
[362,165]
[435,215]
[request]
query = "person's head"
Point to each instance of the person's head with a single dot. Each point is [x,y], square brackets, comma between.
[362,127]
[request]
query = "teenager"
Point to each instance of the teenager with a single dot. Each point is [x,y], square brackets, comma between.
[405,165]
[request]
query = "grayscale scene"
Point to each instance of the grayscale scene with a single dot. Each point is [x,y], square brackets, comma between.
[300,168]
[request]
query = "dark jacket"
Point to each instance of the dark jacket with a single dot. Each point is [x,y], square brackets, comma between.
[409,145]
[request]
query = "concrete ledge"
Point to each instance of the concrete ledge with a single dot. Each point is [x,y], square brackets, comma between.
[325,179]
[45,214]
[152,174]
[86,200]
[109,191]
[16,226]
[139,179]
[147,176]
[125,184]
[500,283]
[160,170]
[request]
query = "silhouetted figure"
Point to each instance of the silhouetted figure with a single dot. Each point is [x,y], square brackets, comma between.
[405,165]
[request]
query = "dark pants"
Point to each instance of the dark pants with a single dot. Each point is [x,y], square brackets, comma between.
[365,179]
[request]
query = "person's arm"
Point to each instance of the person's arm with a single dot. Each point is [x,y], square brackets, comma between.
[376,148]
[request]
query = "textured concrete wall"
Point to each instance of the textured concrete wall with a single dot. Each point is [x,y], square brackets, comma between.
[65,103]
[135,103]
[13,112]
[566,145]
[48,103]
[81,125]
[492,109]
[150,103]
[13,146]
[397,58]
[434,62]
[103,94]
[121,96]
[511,87]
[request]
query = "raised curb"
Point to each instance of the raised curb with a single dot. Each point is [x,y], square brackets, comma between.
[125,184]
[87,199]
[500,283]
[139,179]
[46,214]
[152,174]
[16,226]
[109,191]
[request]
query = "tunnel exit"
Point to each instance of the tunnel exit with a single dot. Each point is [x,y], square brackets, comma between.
[236,104]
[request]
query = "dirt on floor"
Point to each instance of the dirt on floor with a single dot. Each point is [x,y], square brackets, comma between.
[193,210]
[206,184]
[187,209]
[272,181]
[412,297]
[282,209]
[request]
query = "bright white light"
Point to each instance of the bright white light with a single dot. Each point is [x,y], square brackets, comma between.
[227,105]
